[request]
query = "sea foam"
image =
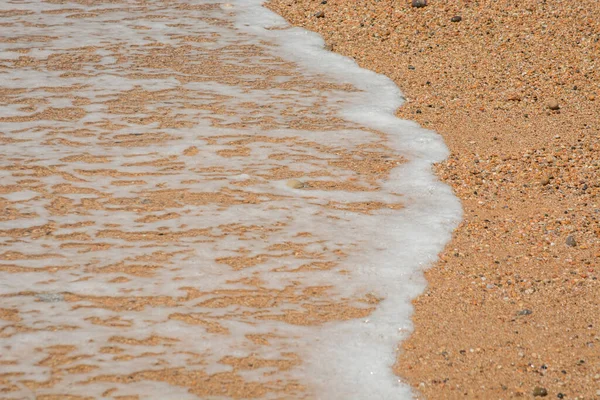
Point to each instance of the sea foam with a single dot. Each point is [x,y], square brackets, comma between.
[153,245]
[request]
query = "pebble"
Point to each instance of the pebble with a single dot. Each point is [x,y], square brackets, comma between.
[50,297]
[295,184]
[320,14]
[540,392]
[553,104]
[545,181]
[419,3]
[328,47]
[571,242]
[456,18]
[525,312]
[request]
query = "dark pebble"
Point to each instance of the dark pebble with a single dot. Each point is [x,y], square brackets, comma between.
[540,392]
[419,3]
[324,2]
[525,312]
[456,18]
[560,396]
[320,14]
[411,67]
[571,242]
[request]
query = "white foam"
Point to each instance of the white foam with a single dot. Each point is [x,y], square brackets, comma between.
[387,249]
[354,358]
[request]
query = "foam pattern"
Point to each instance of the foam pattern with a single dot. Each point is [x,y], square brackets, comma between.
[201,202]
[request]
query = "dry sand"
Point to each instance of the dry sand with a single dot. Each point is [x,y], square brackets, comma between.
[512,308]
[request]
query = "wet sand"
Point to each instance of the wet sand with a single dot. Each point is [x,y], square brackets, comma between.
[514,88]
[178,212]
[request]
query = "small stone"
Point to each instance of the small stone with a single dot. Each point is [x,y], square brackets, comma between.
[553,104]
[540,392]
[411,67]
[525,312]
[50,297]
[571,242]
[419,3]
[320,14]
[328,47]
[324,2]
[295,184]
[456,18]
[545,180]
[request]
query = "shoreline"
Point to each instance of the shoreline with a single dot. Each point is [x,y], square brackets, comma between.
[510,310]
[157,227]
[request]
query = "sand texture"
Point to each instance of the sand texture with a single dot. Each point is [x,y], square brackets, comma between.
[512,308]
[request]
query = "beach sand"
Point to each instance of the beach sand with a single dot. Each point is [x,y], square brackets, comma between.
[186,216]
[512,307]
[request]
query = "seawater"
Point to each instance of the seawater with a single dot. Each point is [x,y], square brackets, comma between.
[151,242]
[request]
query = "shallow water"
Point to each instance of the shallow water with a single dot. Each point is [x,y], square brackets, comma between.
[152,242]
